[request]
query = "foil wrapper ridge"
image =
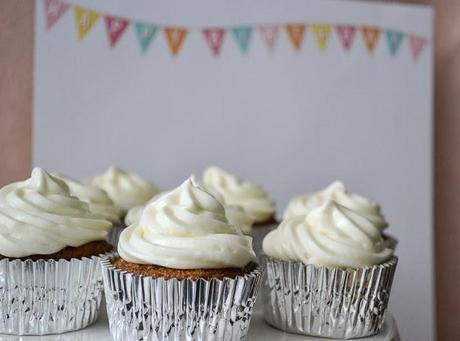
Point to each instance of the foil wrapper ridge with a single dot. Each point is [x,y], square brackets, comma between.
[327,302]
[145,308]
[40,297]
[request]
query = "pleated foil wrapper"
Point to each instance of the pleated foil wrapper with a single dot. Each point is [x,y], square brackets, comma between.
[390,241]
[258,235]
[114,234]
[145,308]
[327,302]
[40,297]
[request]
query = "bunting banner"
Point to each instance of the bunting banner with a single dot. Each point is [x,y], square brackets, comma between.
[242,35]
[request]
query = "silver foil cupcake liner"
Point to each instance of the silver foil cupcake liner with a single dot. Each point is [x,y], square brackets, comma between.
[39,297]
[114,234]
[258,235]
[327,302]
[145,308]
[390,241]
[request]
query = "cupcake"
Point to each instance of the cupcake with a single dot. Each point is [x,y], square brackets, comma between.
[329,274]
[51,245]
[97,199]
[125,189]
[336,191]
[252,198]
[183,273]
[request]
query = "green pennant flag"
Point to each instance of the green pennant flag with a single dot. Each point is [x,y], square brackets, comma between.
[242,35]
[145,33]
[394,40]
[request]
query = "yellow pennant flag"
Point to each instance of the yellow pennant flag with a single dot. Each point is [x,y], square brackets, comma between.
[321,33]
[85,20]
[175,37]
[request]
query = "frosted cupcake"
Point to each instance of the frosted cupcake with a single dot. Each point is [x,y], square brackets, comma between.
[329,274]
[252,198]
[50,250]
[97,199]
[125,189]
[336,191]
[183,273]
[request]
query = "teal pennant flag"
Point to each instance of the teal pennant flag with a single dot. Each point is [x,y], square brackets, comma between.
[394,40]
[242,35]
[145,33]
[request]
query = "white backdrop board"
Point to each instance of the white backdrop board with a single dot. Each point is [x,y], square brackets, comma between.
[342,91]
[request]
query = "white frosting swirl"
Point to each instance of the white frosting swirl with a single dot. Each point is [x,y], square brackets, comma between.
[336,191]
[38,216]
[125,189]
[330,235]
[186,229]
[236,191]
[97,199]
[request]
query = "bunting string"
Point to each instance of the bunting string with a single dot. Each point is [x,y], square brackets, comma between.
[242,35]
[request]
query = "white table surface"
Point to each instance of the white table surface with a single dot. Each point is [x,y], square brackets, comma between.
[259,331]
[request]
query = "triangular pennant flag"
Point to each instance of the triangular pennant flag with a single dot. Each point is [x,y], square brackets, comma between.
[296,32]
[321,33]
[115,27]
[175,37]
[54,10]
[145,33]
[269,35]
[214,38]
[371,37]
[394,40]
[242,35]
[417,44]
[85,19]
[346,34]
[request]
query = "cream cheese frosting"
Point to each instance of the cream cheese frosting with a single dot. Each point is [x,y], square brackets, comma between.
[97,199]
[125,189]
[329,235]
[236,191]
[336,191]
[235,214]
[186,228]
[38,216]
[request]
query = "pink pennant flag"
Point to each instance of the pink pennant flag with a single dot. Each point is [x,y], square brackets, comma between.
[115,26]
[54,10]
[269,35]
[214,38]
[417,44]
[346,34]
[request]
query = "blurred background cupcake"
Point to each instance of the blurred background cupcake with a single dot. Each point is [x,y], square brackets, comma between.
[329,274]
[127,190]
[51,245]
[336,191]
[252,199]
[183,259]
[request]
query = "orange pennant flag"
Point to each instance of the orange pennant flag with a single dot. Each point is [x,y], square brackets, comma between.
[85,20]
[296,33]
[371,37]
[321,33]
[175,37]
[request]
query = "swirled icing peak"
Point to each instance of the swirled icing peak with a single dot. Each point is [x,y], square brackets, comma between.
[39,216]
[236,191]
[329,235]
[336,191]
[185,228]
[125,189]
